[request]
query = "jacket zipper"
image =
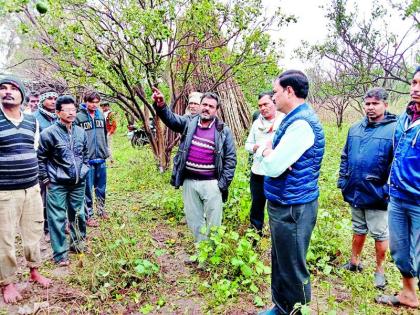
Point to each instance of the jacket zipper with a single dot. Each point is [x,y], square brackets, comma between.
[94,130]
[74,157]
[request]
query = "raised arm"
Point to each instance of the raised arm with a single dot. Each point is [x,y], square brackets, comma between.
[174,122]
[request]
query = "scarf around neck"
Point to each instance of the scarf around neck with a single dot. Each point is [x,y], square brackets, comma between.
[50,115]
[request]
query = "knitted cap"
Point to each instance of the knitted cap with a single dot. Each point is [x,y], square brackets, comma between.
[46,95]
[195,97]
[16,82]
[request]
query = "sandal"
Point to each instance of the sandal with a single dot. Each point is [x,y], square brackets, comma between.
[380,280]
[391,300]
[352,267]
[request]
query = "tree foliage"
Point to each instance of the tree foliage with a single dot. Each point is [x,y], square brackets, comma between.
[362,53]
[124,47]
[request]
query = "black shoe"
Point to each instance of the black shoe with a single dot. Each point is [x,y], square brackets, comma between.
[352,267]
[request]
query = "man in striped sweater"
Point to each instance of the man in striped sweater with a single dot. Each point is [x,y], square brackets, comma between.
[20,199]
[205,162]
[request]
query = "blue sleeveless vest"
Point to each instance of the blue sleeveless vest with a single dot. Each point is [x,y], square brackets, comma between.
[300,185]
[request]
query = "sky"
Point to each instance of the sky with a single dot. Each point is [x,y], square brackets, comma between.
[311,25]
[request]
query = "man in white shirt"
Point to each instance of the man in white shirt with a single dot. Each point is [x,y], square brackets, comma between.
[292,165]
[262,131]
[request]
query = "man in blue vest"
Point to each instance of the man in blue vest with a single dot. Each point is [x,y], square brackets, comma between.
[364,171]
[291,165]
[404,205]
[20,199]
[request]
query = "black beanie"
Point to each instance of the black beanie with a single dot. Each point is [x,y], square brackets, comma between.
[16,82]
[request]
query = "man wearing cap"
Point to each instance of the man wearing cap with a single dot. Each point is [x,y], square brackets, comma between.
[46,116]
[32,101]
[20,200]
[364,171]
[193,103]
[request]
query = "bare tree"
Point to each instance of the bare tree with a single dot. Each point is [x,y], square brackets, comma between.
[365,51]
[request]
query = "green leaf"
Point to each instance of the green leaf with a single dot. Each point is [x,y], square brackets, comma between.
[140,269]
[146,309]
[258,301]
[246,271]
[253,288]
[236,261]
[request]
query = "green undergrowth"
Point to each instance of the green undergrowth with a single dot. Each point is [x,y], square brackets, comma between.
[122,267]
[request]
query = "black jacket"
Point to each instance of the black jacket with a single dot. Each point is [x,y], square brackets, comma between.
[63,156]
[225,161]
[365,163]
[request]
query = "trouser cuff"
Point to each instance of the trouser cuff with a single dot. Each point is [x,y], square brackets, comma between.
[8,280]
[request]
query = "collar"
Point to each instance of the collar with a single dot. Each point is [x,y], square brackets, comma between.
[18,121]
[413,112]
[64,127]
[210,126]
[268,126]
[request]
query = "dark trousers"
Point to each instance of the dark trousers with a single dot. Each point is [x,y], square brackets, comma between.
[258,200]
[95,179]
[44,204]
[66,202]
[291,229]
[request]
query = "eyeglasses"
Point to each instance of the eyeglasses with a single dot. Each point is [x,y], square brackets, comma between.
[69,110]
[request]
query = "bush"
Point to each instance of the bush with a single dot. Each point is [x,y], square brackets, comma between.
[232,263]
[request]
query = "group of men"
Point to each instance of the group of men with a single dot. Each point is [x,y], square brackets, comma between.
[64,149]
[379,170]
[287,141]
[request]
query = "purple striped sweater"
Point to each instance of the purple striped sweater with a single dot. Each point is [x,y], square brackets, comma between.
[201,157]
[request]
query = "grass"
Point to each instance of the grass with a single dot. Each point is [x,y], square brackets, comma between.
[142,203]
[135,260]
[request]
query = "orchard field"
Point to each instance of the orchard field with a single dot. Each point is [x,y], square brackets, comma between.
[135,261]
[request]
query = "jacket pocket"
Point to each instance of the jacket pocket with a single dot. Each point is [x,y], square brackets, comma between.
[84,171]
[62,176]
[375,191]
[344,181]
[176,170]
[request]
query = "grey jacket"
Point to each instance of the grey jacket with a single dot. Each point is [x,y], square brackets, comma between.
[225,147]
[95,132]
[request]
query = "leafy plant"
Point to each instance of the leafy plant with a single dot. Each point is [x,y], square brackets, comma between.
[232,262]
